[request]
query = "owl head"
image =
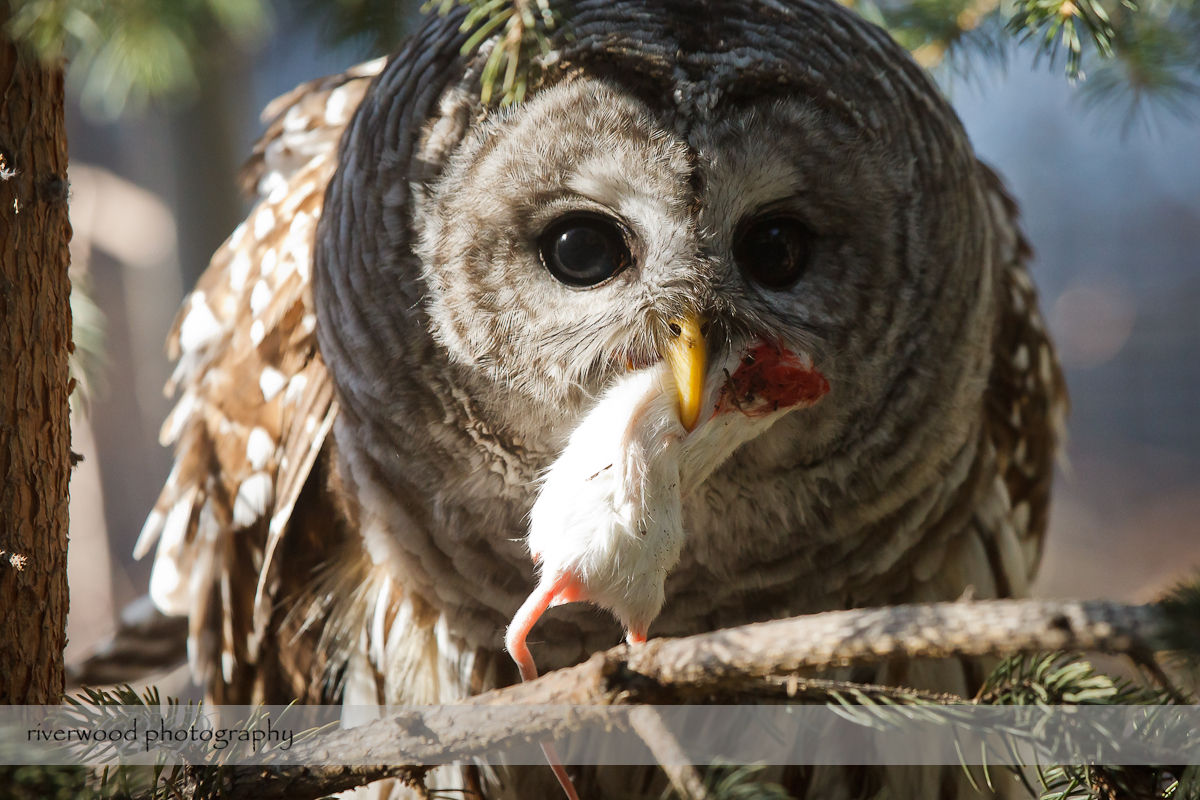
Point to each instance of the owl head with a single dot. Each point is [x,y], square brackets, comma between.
[771,169]
[764,174]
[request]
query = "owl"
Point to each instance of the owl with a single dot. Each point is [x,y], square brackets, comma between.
[723,322]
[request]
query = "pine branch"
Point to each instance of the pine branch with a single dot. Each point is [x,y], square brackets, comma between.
[1066,22]
[129,53]
[1136,50]
[87,350]
[738,782]
[526,37]
[761,661]
[125,54]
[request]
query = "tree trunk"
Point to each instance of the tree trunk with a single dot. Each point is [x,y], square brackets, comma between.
[35,336]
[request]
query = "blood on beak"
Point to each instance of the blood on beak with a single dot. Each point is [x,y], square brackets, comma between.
[687,354]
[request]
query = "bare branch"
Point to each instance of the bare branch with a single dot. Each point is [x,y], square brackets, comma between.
[670,756]
[761,659]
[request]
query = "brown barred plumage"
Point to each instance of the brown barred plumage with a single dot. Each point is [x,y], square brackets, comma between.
[298,530]
[255,407]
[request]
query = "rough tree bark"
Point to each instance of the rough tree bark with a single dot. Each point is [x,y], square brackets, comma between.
[35,335]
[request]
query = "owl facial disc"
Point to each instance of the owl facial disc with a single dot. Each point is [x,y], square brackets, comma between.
[607,526]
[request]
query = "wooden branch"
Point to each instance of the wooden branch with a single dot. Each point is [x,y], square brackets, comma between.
[684,777]
[937,630]
[293,783]
[715,666]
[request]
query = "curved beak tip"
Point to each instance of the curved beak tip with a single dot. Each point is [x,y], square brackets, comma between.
[687,353]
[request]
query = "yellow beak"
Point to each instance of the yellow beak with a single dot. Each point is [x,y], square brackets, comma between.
[687,354]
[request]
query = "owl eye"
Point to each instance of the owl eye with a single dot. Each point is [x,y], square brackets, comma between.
[773,251]
[584,249]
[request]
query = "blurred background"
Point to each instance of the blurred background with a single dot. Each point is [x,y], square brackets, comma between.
[1110,199]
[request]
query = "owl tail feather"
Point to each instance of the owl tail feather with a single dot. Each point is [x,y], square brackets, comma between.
[566,588]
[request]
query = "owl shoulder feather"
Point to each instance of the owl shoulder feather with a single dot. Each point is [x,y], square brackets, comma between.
[255,401]
[1027,402]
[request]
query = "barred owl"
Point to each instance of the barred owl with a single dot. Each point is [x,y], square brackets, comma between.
[723,322]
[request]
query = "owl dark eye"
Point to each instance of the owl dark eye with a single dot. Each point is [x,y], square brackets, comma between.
[584,249]
[773,251]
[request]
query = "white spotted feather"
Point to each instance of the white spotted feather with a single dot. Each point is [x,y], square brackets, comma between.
[255,401]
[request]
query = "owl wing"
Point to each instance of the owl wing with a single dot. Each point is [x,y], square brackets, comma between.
[996,553]
[1025,412]
[255,402]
